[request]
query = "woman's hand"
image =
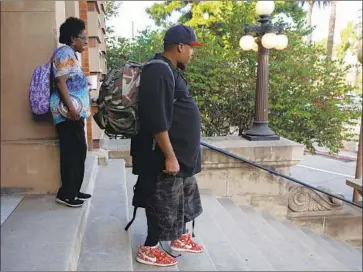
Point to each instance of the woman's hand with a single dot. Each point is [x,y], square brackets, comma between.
[73,114]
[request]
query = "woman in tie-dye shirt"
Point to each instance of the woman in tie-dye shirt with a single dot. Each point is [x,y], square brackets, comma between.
[71,82]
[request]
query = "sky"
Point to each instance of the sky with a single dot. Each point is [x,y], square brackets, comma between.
[134,11]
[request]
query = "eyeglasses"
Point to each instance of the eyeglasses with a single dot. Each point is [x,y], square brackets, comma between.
[83,38]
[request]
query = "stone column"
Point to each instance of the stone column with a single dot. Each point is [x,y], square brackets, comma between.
[72,9]
[29,150]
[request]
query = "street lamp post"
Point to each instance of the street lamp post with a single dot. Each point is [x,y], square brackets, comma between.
[262,38]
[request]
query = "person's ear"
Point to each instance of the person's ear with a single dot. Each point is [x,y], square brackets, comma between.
[180,48]
[73,41]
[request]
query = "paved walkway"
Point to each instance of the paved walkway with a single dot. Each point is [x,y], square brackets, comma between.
[350,154]
[8,205]
[326,172]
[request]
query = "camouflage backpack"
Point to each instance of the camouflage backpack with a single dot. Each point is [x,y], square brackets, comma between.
[118,99]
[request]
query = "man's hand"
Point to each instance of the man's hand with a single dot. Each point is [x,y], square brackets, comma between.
[171,166]
[171,163]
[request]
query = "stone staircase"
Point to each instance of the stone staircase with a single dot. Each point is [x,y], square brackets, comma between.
[235,238]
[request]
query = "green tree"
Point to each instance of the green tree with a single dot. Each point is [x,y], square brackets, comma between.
[161,12]
[332,19]
[145,45]
[305,86]
[118,50]
[305,102]
[116,47]
[112,9]
[140,49]
[311,4]
[350,37]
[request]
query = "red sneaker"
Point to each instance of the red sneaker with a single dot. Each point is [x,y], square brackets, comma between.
[154,256]
[186,244]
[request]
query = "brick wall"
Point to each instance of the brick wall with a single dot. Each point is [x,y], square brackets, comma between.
[83,13]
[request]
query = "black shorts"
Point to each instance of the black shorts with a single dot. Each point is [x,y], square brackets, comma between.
[175,201]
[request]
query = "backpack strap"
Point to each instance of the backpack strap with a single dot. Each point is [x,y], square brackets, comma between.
[52,77]
[193,227]
[55,52]
[160,61]
[132,220]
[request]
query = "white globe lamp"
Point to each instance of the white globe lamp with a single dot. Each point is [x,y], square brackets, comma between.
[281,42]
[246,42]
[255,47]
[265,7]
[269,40]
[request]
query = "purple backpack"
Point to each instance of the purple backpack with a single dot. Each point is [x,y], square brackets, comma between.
[41,88]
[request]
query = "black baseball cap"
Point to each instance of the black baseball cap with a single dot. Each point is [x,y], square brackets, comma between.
[181,34]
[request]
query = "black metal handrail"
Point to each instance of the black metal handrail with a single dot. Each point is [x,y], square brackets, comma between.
[277,173]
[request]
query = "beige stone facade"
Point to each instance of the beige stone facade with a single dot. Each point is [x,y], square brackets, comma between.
[29,34]
[93,13]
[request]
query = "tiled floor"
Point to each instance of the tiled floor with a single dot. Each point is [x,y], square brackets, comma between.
[8,205]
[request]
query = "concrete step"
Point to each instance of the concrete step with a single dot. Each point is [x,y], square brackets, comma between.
[345,248]
[217,245]
[308,247]
[261,240]
[106,246]
[242,246]
[349,260]
[196,262]
[8,204]
[41,235]
[348,248]
[300,260]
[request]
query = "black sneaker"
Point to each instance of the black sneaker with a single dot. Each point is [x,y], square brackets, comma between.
[83,196]
[74,203]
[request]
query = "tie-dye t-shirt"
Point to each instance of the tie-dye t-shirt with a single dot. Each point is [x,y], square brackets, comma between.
[65,62]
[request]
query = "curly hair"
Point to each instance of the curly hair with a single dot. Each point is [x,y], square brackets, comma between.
[71,28]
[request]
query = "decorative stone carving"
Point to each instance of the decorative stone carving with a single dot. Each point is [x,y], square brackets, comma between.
[304,199]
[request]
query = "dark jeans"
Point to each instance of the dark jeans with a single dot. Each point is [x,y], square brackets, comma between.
[73,152]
